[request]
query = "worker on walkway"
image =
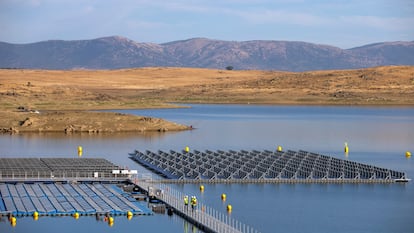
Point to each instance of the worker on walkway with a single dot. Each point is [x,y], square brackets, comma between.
[186,202]
[193,202]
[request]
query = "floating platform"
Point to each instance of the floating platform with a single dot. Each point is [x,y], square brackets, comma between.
[22,194]
[51,199]
[64,186]
[262,166]
[26,168]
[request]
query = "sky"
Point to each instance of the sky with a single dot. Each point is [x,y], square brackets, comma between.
[340,23]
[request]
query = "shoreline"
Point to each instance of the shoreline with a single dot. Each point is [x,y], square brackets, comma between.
[124,123]
[81,94]
[71,122]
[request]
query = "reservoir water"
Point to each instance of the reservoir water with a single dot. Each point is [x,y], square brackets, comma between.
[375,135]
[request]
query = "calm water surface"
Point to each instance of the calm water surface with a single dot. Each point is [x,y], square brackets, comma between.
[378,136]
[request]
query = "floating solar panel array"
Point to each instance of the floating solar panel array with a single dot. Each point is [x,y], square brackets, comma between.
[267,166]
[65,199]
[56,167]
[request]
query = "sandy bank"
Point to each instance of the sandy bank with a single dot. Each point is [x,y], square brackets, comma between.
[82,121]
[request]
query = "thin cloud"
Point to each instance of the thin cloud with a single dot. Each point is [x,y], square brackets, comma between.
[159,20]
[389,23]
[281,17]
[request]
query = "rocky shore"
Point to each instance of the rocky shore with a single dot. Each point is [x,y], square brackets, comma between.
[82,122]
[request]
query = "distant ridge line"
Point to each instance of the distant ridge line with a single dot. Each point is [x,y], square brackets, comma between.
[115,52]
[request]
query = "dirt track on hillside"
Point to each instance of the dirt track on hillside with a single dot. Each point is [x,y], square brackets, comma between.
[72,92]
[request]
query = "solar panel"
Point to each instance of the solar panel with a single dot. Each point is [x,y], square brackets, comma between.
[260,165]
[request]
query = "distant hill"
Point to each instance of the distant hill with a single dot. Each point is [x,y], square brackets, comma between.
[118,52]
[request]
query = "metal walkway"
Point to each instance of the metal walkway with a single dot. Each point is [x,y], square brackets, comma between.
[205,218]
[262,166]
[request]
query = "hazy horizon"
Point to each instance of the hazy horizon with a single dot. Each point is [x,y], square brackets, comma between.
[343,24]
[119,36]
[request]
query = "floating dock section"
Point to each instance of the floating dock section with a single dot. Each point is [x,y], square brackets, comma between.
[203,217]
[64,186]
[52,193]
[26,168]
[51,199]
[262,166]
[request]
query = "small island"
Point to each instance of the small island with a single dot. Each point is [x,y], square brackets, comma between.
[82,122]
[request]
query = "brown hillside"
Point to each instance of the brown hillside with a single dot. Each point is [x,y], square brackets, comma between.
[154,87]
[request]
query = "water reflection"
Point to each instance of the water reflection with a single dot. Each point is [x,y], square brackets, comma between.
[378,136]
[97,136]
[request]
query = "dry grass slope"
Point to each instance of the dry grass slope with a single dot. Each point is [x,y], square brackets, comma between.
[62,91]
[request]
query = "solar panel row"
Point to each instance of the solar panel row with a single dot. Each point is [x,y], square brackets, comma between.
[55,198]
[258,165]
[55,167]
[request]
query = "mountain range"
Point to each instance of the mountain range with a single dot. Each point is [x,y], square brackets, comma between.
[118,52]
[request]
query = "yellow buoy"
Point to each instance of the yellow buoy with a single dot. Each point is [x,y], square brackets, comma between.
[129,217]
[201,188]
[229,208]
[408,154]
[13,221]
[76,215]
[187,149]
[110,221]
[80,150]
[279,148]
[129,213]
[35,215]
[346,148]
[223,197]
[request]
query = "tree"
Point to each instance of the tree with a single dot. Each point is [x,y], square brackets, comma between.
[229,67]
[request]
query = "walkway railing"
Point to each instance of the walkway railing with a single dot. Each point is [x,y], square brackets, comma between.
[66,175]
[204,217]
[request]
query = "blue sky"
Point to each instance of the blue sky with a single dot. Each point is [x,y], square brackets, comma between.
[345,24]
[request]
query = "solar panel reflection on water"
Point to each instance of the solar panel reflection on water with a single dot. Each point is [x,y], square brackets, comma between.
[261,166]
